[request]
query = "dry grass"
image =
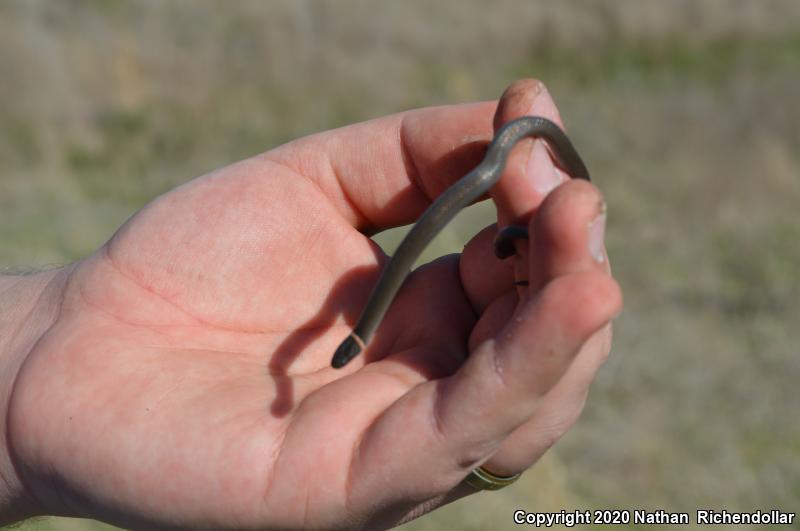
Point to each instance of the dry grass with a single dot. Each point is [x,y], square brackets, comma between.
[685,111]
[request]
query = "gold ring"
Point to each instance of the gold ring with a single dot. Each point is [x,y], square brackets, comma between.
[482,479]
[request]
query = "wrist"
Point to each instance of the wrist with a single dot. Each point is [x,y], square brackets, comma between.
[29,305]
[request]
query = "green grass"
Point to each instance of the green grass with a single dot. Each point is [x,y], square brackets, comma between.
[686,114]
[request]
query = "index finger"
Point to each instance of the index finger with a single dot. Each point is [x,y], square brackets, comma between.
[385,172]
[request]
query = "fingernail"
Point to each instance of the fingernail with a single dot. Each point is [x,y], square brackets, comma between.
[542,104]
[543,173]
[597,230]
[541,170]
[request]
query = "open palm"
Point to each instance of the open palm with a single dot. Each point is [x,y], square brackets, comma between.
[187,380]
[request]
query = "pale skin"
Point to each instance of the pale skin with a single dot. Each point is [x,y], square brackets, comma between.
[179,377]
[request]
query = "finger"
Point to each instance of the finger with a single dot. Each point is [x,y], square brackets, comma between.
[442,429]
[483,276]
[496,316]
[505,379]
[558,411]
[530,172]
[566,238]
[386,172]
[566,235]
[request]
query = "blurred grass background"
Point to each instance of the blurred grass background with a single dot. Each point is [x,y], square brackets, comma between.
[686,112]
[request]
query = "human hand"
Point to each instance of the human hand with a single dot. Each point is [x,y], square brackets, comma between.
[186,379]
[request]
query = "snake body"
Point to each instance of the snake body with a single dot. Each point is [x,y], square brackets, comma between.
[461,194]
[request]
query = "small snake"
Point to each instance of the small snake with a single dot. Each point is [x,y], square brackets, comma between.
[464,192]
